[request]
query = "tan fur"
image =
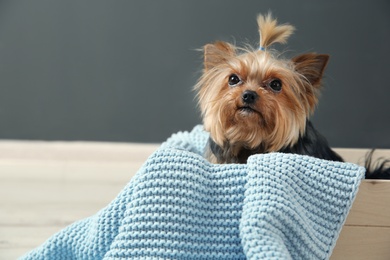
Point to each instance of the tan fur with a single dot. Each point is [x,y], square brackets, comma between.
[280,117]
[270,32]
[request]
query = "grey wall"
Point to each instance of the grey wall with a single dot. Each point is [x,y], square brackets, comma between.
[124,70]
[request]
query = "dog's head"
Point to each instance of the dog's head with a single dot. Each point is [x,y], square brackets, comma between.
[252,98]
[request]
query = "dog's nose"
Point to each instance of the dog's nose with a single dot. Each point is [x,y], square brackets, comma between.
[249,97]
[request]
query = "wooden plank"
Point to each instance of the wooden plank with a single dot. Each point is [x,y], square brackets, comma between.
[45,186]
[372,204]
[358,155]
[75,151]
[38,200]
[60,192]
[363,243]
[21,239]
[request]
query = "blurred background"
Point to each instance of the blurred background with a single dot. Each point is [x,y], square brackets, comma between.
[124,70]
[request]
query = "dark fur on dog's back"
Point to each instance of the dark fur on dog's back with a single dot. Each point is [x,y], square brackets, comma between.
[312,143]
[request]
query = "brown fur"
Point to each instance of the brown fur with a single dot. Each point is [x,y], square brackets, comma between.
[277,119]
[270,32]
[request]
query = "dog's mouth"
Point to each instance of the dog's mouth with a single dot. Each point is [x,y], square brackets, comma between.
[247,110]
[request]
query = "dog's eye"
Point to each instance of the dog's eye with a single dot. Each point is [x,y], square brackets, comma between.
[275,85]
[234,80]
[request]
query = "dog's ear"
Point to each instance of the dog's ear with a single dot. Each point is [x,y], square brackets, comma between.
[216,53]
[311,66]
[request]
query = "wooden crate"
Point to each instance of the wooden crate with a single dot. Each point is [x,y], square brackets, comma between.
[45,186]
[366,232]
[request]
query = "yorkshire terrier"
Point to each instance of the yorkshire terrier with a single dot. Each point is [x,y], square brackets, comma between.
[253,101]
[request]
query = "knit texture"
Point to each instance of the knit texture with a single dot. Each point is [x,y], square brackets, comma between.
[180,206]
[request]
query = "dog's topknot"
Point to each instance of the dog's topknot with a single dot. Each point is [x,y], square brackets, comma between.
[270,32]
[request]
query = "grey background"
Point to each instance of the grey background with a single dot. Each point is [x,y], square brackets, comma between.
[124,70]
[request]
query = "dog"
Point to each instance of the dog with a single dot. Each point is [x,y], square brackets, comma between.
[254,101]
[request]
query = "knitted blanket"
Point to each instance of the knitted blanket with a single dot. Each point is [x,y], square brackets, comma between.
[180,206]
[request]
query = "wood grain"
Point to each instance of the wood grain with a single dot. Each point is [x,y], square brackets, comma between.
[359,242]
[372,205]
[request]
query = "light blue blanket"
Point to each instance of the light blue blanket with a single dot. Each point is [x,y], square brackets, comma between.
[179,206]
